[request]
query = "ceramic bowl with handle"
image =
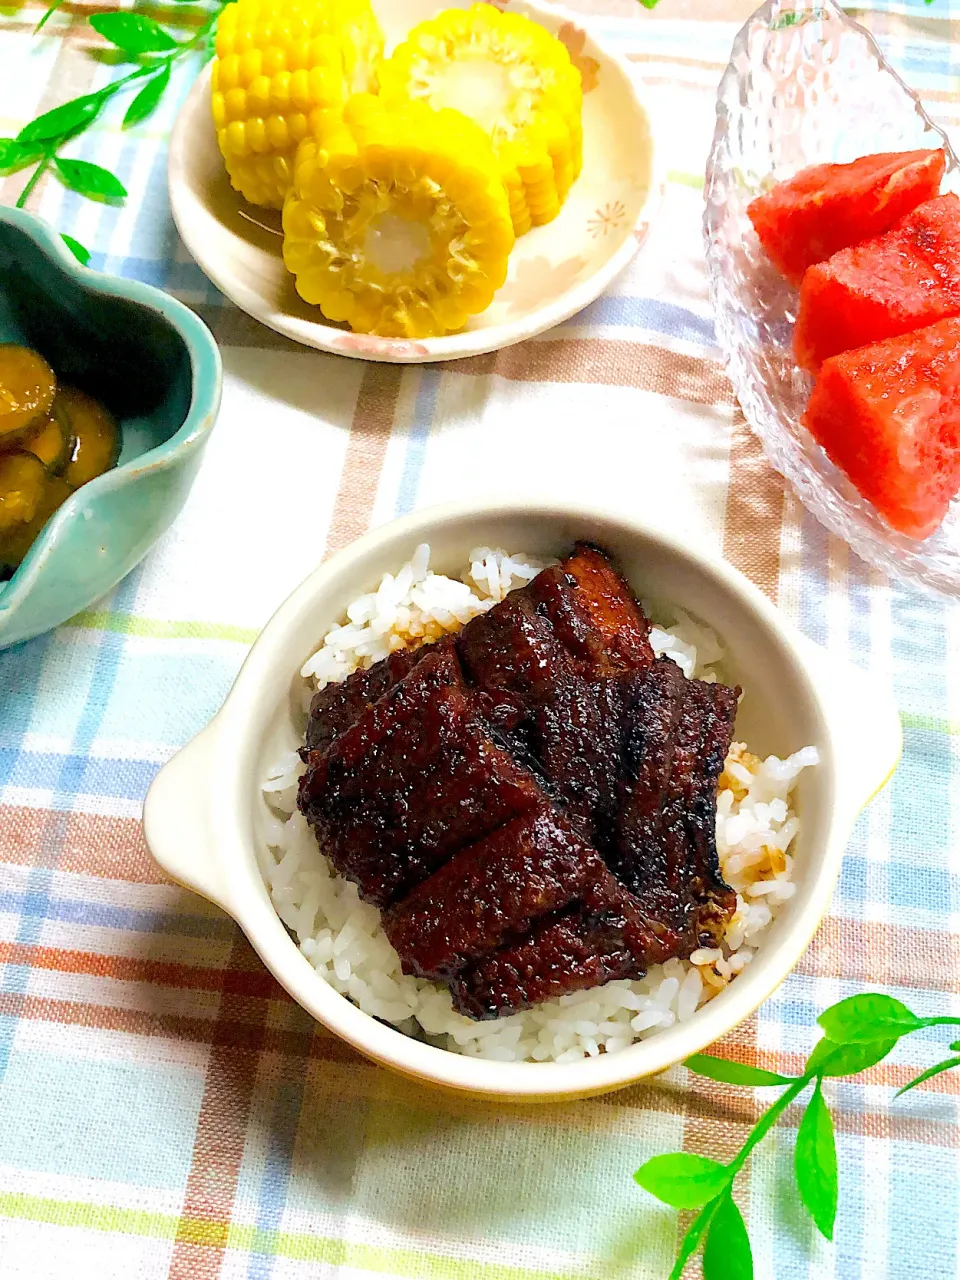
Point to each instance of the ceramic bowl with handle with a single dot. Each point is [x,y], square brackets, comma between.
[154,365]
[205,816]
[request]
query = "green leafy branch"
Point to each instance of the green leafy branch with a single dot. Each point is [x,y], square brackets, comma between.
[859,1032]
[39,143]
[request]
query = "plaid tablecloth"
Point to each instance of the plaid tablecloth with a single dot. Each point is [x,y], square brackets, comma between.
[165,1111]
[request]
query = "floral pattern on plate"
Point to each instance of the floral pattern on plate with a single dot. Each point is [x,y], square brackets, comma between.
[575,38]
[536,278]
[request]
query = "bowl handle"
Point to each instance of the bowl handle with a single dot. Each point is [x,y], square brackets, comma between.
[176,818]
[864,722]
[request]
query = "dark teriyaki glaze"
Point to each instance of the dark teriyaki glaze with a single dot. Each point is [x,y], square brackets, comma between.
[526,869]
[337,706]
[665,844]
[604,936]
[563,713]
[533,800]
[414,779]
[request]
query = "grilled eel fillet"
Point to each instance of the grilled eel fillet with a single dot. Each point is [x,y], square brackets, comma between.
[483,812]
[415,778]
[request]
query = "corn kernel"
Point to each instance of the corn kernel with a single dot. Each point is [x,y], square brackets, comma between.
[397,221]
[516,81]
[277,62]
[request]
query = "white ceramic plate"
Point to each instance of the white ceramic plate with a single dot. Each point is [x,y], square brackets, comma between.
[555,270]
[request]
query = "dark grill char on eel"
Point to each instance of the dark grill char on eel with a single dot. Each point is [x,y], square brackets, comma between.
[531,802]
[491,891]
[607,935]
[415,778]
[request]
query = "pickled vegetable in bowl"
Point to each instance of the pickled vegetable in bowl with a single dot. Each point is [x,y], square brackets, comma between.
[27,386]
[53,439]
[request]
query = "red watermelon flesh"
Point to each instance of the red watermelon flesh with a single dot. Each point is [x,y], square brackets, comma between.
[889,416]
[904,280]
[829,206]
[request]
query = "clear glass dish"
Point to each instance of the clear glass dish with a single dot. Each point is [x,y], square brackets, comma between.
[805,85]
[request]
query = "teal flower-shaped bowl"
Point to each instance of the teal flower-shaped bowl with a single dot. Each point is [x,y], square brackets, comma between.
[155,366]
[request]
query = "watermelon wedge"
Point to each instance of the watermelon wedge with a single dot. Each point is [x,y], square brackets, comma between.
[830,206]
[889,416]
[904,280]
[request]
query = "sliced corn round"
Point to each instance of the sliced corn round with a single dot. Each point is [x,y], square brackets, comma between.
[397,221]
[516,81]
[277,62]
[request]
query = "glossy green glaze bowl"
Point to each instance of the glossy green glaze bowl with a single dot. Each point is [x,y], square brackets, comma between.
[155,366]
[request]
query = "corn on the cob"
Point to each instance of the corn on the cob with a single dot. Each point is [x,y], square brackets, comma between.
[516,81]
[278,62]
[397,221]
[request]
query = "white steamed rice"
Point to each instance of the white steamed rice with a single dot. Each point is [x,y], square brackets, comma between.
[342,936]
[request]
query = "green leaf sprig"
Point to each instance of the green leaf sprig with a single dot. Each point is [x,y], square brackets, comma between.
[858,1033]
[137,37]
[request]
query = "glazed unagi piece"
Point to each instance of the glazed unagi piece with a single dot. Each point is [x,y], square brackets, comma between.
[415,778]
[551,655]
[531,867]
[569,954]
[577,615]
[548,711]
[675,870]
[652,701]
[594,612]
[513,658]
[716,900]
[676,736]
[605,937]
[577,735]
[340,704]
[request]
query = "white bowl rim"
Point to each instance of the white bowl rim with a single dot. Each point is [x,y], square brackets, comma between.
[856,713]
[456,346]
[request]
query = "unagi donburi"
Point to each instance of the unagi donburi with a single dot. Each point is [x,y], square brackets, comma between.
[508,829]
